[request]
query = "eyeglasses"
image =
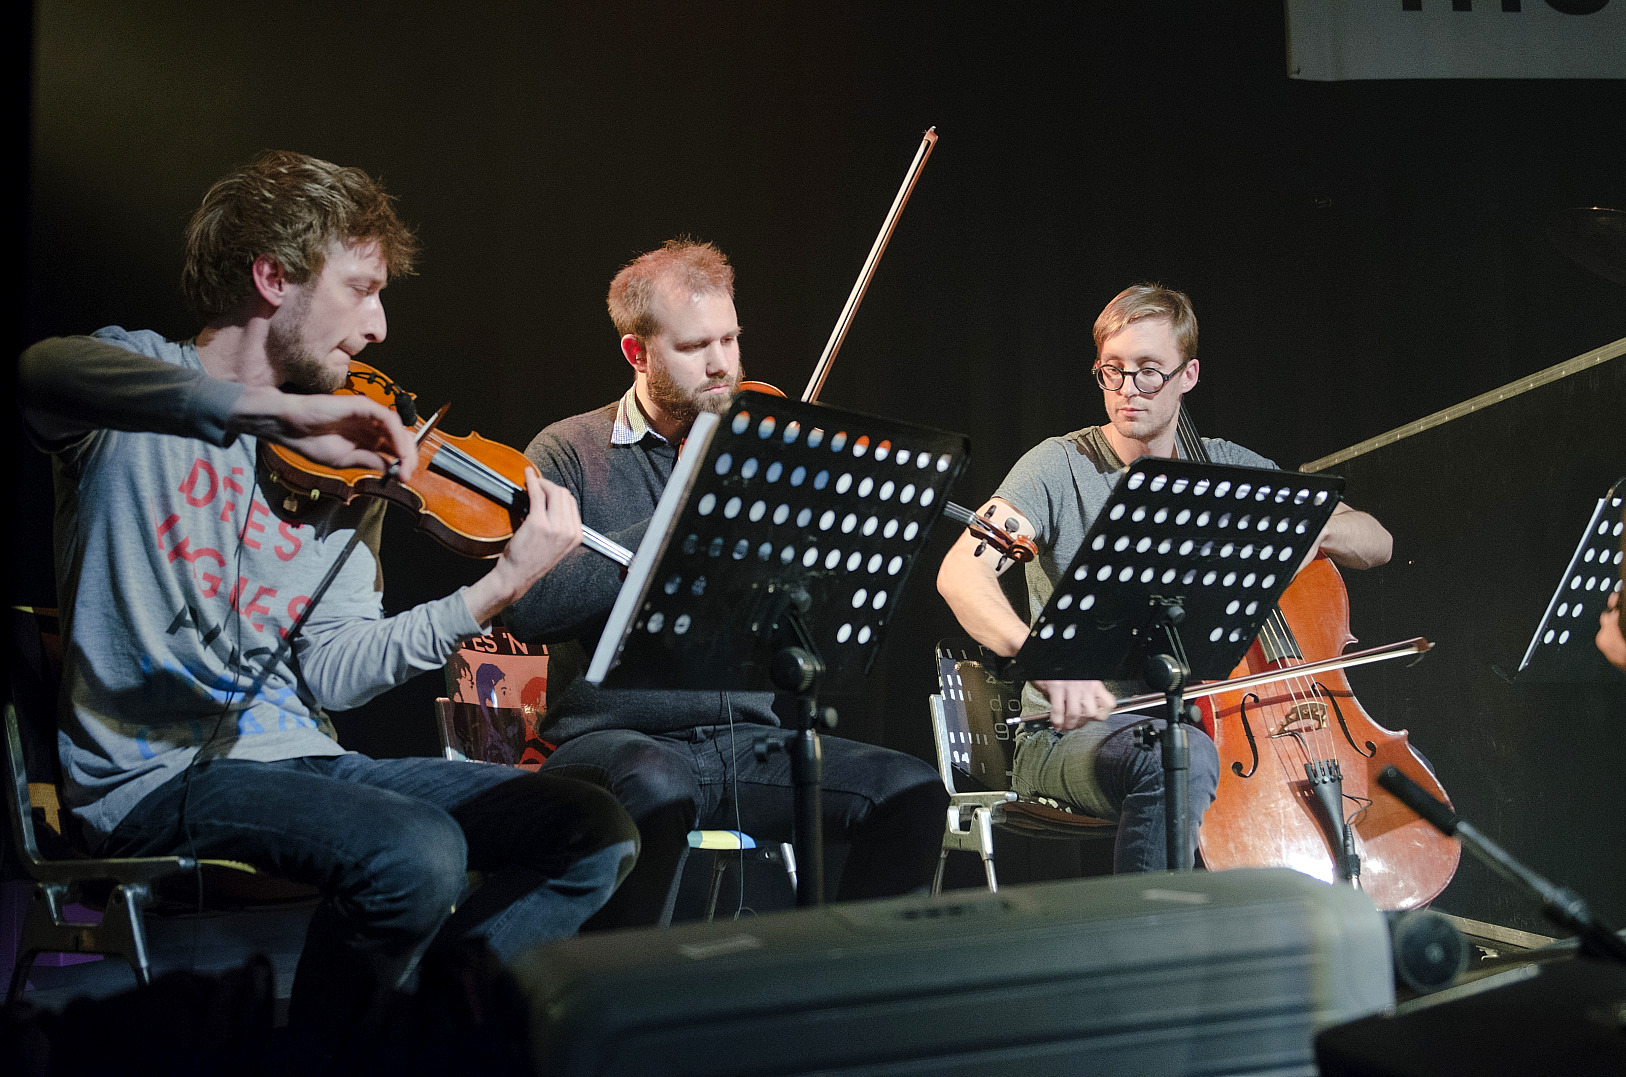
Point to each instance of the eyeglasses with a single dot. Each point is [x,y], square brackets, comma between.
[1148,379]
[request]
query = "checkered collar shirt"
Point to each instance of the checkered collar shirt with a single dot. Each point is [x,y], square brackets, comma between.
[630,424]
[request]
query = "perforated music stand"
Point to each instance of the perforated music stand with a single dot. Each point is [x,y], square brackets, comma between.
[1173,581]
[1562,648]
[775,560]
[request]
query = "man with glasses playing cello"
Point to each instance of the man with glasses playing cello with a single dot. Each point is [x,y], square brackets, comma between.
[1146,346]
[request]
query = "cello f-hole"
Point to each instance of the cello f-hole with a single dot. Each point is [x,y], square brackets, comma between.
[1321,690]
[1253,745]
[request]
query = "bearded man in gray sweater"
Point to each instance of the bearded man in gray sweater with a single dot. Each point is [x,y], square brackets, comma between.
[683,759]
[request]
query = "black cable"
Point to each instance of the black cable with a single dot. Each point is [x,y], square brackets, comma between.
[283,650]
[734,786]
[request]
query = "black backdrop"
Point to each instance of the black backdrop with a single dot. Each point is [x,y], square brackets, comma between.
[1360,254]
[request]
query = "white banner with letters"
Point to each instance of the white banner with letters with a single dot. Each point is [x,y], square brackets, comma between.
[1330,40]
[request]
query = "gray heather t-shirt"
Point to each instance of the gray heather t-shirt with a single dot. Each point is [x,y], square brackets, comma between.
[178,576]
[1060,485]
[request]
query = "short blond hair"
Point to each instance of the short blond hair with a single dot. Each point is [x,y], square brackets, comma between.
[1141,301]
[289,207]
[687,264]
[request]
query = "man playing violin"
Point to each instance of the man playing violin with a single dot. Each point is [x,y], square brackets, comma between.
[684,759]
[1146,346]
[187,729]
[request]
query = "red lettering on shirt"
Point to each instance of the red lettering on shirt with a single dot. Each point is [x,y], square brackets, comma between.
[288,533]
[200,469]
[232,484]
[255,506]
[296,608]
[169,522]
[182,551]
[254,606]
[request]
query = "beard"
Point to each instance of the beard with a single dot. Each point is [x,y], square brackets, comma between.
[684,404]
[294,365]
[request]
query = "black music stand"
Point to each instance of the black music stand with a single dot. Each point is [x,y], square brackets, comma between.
[1562,649]
[1173,581]
[775,560]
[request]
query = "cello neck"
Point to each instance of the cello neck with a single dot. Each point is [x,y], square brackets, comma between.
[1275,635]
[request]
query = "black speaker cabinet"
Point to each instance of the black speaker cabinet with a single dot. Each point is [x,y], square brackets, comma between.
[1200,973]
[1562,1017]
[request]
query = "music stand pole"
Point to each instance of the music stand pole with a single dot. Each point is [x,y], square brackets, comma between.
[797,668]
[1167,674]
[776,558]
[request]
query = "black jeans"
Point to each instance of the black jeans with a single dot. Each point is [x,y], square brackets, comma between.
[389,843]
[889,806]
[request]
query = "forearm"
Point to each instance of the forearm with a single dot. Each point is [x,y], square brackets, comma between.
[974,595]
[1355,539]
[71,385]
[348,661]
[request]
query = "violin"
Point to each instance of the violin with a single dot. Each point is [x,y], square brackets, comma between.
[468,493]
[1299,756]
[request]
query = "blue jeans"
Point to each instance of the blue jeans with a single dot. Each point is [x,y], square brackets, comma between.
[889,806]
[1101,770]
[389,842]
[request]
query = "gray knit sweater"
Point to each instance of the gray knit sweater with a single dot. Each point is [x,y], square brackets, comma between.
[617,487]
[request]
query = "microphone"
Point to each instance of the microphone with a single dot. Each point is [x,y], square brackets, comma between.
[1418,800]
[1561,905]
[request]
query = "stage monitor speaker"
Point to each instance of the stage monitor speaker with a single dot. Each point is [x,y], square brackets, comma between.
[1557,1017]
[1197,973]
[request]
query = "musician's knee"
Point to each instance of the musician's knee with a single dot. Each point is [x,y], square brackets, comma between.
[646,775]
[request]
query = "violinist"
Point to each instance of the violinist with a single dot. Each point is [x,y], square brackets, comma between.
[1146,346]
[684,759]
[180,569]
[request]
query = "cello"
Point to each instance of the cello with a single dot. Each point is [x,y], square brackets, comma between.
[1299,758]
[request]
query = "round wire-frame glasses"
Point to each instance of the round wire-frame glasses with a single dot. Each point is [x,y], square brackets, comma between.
[1148,379]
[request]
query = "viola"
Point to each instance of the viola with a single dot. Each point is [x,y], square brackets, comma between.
[468,493]
[1299,758]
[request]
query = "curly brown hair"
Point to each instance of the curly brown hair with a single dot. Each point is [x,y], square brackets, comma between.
[289,207]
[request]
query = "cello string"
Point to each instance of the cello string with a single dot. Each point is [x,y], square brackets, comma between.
[1274,632]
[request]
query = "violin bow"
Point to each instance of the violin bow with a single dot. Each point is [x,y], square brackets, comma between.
[827,359]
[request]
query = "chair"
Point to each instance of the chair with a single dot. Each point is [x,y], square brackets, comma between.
[975,745]
[122,888]
[493,712]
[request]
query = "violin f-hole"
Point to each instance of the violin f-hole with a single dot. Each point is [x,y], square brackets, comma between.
[1325,693]
[1253,745]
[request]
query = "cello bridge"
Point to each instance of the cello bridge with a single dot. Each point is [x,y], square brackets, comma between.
[1311,714]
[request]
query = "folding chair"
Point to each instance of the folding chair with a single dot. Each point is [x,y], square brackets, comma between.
[62,872]
[975,746]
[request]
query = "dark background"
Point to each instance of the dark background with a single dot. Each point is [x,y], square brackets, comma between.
[1360,254]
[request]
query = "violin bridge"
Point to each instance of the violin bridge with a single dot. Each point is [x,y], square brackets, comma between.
[1303,717]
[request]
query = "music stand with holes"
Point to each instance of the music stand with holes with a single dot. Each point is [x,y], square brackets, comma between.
[775,559]
[1174,579]
[1562,649]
